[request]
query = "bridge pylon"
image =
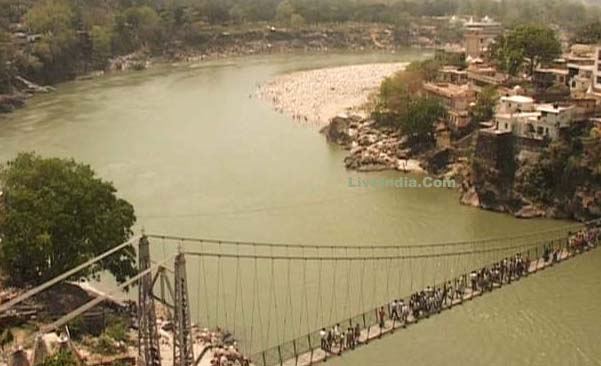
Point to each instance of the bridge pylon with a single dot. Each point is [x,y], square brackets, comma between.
[148,337]
[183,352]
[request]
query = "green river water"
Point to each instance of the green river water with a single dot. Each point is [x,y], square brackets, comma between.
[198,157]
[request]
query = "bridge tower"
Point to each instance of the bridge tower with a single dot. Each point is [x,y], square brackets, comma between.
[148,337]
[183,352]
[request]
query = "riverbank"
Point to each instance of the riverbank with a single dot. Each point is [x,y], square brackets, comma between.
[316,96]
[225,41]
[338,99]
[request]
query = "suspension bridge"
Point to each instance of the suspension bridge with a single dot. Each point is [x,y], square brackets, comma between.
[277,298]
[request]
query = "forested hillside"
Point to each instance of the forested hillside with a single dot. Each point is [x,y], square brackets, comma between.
[47,41]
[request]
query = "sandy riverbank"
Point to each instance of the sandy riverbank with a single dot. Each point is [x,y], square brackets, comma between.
[316,96]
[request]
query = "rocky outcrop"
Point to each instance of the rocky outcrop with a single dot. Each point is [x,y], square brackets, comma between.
[500,179]
[10,102]
[341,129]
[372,147]
[134,61]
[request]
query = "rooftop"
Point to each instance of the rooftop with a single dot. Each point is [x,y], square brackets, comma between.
[555,109]
[445,89]
[552,71]
[521,99]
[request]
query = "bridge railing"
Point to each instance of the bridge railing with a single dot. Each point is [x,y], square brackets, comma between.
[305,350]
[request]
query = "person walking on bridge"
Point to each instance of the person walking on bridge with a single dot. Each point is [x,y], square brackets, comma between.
[323,335]
[394,313]
[382,317]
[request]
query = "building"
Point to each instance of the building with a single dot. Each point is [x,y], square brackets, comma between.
[457,98]
[526,119]
[480,35]
[452,75]
[482,76]
[581,79]
[596,81]
[544,78]
[450,55]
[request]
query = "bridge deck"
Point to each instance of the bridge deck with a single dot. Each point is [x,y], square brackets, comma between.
[374,332]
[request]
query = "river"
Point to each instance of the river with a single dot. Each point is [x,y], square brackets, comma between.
[197,156]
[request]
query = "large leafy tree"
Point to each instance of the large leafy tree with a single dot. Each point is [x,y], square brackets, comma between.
[402,103]
[58,49]
[423,113]
[485,105]
[56,214]
[532,44]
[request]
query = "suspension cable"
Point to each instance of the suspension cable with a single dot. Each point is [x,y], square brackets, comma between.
[563,228]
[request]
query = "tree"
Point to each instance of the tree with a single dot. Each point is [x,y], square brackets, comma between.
[138,26]
[401,102]
[422,115]
[7,69]
[297,20]
[589,33]
[284,11]
[507,59]
[426,70]
[101,47]
[56,214]
[57,50]
[537,44]
[50,16]
[395,95]
[485,105]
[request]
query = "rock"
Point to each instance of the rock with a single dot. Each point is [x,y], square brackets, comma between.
[31,87]
[338,130]
[408,165]
[9,103]
[438,160]
[529,212]
[470,198]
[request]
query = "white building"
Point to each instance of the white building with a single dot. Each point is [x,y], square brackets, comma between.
[597,72]
[526,119]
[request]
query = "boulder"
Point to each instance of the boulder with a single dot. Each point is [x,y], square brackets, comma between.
[338,130]
[470,198]
[529,212]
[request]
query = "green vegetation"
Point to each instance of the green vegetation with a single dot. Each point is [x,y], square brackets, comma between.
[402,103]
[589,33]
[56,214]
[567,167]
[529,44]
[485,105]
[6,338]
[117,328]
[60,358]
[53,40]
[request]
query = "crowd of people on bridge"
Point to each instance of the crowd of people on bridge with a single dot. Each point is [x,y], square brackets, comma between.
[342,339]
[433,299]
